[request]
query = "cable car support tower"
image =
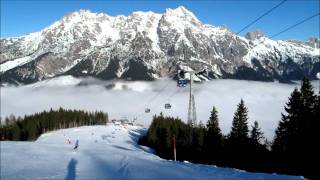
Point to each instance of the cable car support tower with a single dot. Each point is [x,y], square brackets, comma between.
[192,116]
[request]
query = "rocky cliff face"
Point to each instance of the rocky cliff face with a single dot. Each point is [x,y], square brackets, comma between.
[147,46]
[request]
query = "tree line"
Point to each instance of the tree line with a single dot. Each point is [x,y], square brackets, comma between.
[294,149]
[30,127]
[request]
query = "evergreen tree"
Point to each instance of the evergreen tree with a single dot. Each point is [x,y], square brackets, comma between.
[237,144]
[286,132]
[309,120]
[213,138]
[314,132]
[308,143]
[240,130]
[213,123]
[310,112]
[256,135]
[316,114]
[308,95]
[297,140]
[32,126]
[295,132]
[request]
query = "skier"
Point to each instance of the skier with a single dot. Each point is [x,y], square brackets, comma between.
[69,141]
[76,144]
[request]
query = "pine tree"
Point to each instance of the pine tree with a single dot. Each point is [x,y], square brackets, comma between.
[256,135]
[213,123]
[286,132]
[309,102]
[308,95]
[310,112]
[314,132]
[309,133]
[297,140]
[213,137]
[316,113]
[238,142]
[30,127]
[240,130]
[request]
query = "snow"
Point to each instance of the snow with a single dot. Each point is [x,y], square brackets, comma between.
[84,72]
[104,152]
[134,86]
[215,32]
[57,81]
[216,70]
[14,63]
[265,47]
[115,34]
[181,13]
[146,22]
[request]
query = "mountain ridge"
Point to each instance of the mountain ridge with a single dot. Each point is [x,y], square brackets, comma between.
[148,46]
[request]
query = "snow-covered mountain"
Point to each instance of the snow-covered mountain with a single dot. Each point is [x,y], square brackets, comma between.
[147,46]
[104,152]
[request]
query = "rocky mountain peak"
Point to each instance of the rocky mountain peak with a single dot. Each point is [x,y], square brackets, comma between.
[82,13]
[314,42]
[254,35]
[145,14]
[181,13]
[147,46]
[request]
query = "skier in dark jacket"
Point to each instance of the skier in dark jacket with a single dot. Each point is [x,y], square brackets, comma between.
[76,144]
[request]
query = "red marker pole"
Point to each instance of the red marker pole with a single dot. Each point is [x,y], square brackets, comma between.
[174,148]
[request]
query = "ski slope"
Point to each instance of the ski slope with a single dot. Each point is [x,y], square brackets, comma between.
[105,152]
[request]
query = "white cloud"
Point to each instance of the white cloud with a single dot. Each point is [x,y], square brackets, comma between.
[129,99]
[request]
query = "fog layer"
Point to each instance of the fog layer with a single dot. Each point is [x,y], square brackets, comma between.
[129,99]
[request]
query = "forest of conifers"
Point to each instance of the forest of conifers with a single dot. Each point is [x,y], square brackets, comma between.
[30,127]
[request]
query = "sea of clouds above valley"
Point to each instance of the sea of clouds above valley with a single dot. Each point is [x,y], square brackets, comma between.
[129,99]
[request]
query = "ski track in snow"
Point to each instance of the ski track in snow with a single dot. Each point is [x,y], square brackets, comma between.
[104,152]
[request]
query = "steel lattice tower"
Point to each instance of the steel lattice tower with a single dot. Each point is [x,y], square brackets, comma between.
[192,116]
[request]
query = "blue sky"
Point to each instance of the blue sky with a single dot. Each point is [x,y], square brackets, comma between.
[23,17]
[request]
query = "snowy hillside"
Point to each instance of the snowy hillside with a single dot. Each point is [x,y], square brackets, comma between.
[147,46]
[105,152]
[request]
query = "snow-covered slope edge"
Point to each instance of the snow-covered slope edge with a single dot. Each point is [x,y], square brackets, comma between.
[147,46]
[105,152]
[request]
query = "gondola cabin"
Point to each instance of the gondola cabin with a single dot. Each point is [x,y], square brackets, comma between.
[182,83]
[147,110]
[167,106]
